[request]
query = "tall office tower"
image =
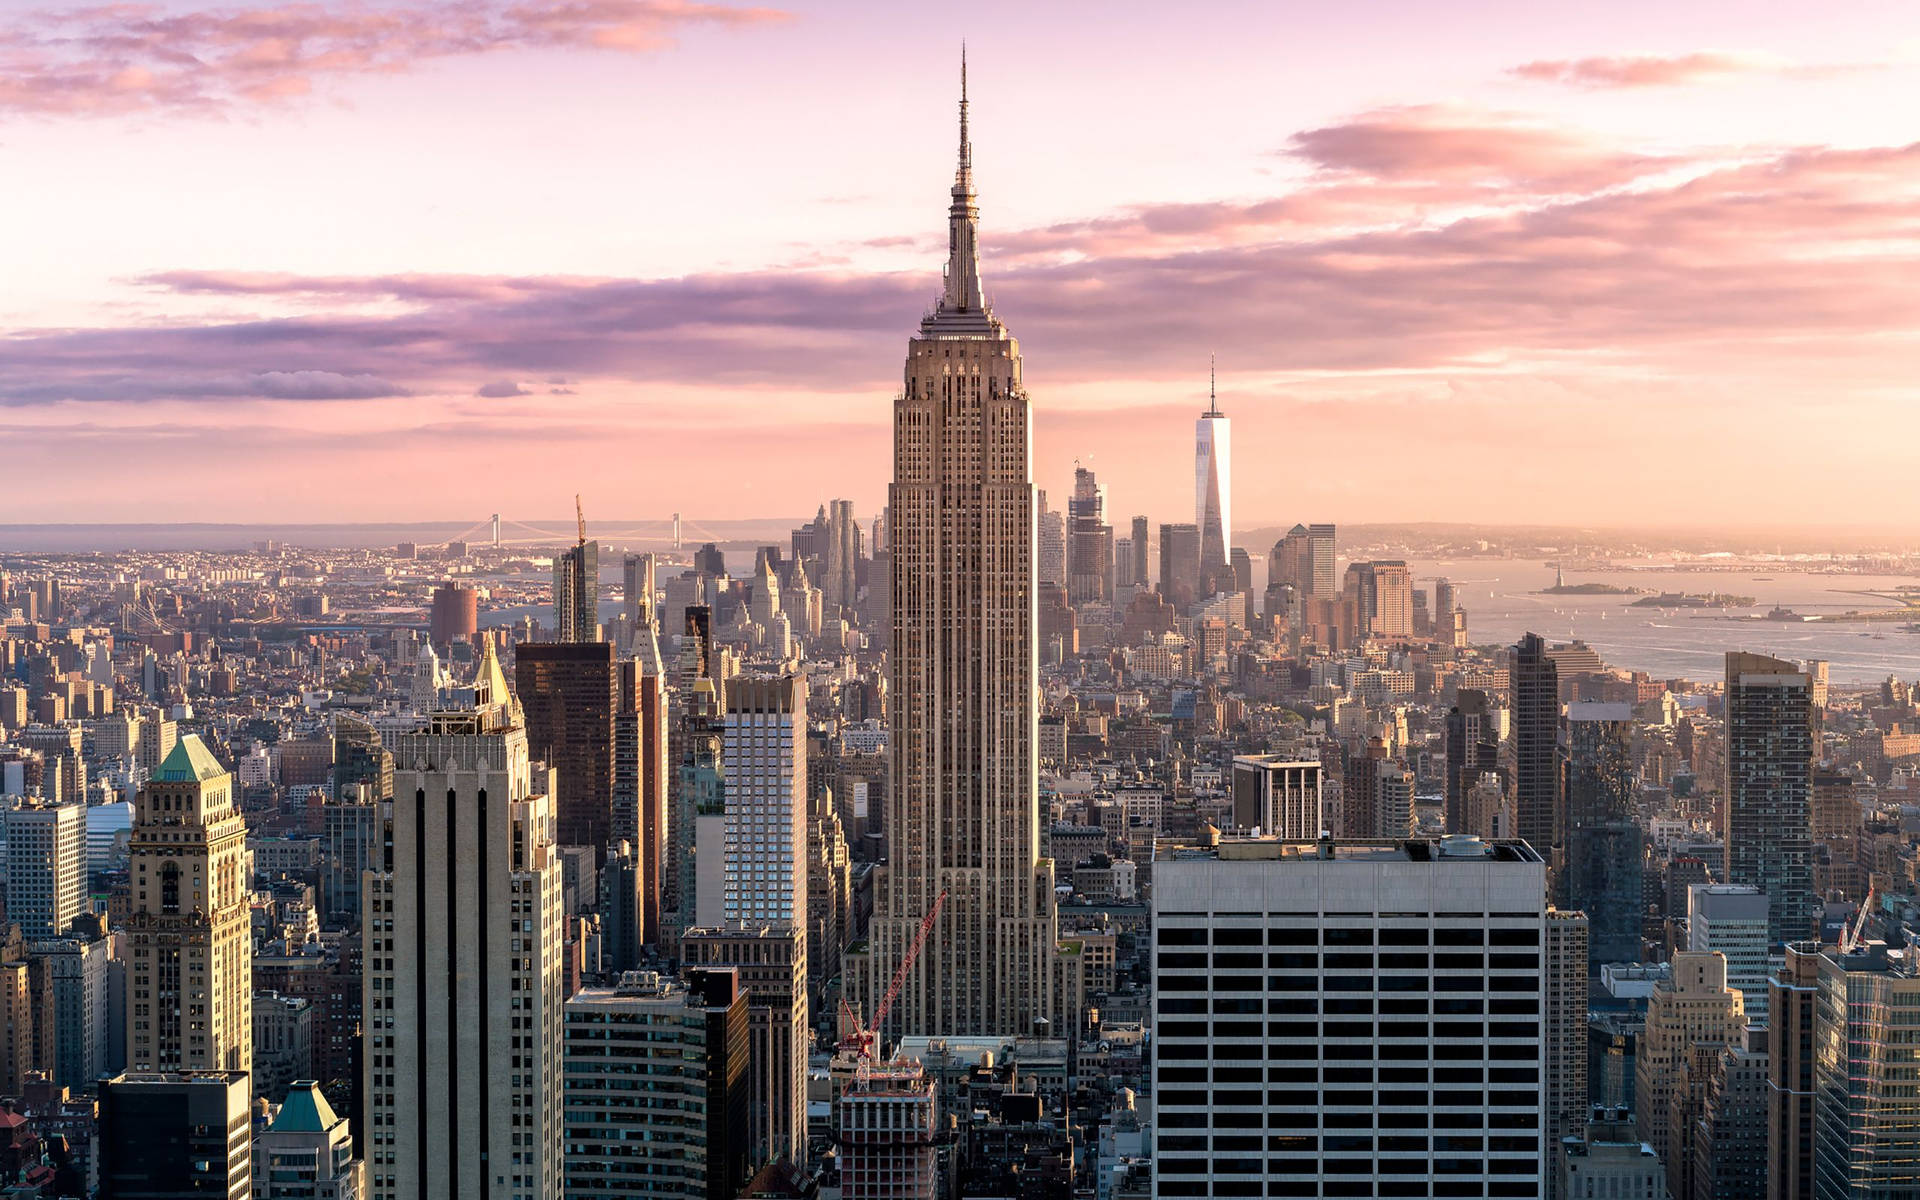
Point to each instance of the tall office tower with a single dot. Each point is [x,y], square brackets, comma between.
[637,579]
[307,1153]
[454,616]
[1567,1093]
[772,962]
[885,1127]
[1319,1008]
[1602,860]
[1382,593]
[350,829]
[830,912]
[69,979]
[463,986]
[1535,773]
[1866,1137]
[1793,994]
[1213,483]
[963,816]
[841,558]
[763,757]
[1730,1135]
[1123,566]
[1089,542]
[570,693]
[46,867]
[1473,749]
[1768,798]
[1692,1007]
[1241,564]
[187,1133]
[1050,551]
[1180,581]
[1444,604]
[656,1081]
[1732,918]
[576,593]
[1290,563]
[764,603]
[190,928]
[1142,553]
[1278,796]
[360,759]
[641,772]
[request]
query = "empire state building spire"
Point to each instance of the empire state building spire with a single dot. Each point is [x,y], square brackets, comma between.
[963,292]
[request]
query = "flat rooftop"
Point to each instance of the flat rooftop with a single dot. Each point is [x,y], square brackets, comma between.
[1417,850]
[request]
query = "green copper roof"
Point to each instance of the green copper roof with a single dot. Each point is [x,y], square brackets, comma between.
[189,762]
[305,1110]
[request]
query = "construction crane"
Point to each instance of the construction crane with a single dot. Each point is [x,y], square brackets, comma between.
[580,514]
[1850,938]
[861,1042]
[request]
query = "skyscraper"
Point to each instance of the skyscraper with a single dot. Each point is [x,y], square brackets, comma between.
[1213,483]
[190,959]
[570,693]
[963,814]
[576,593]
[1768,819]
[1319,1007]
[1732,918]
[841,558]
[1142,558]
[185,1133]
[1866,1140]
[1600,866]
[463,987]
[1793,996]
[1089,542]
[1693,1007]
[657,1088]
[1180,580]
[1382,593]
[763,757]
[1536,730]
[46,867]
[1473,749]
[637,574]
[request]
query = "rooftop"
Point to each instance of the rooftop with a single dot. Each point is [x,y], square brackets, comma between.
[1453,849]
[188,762]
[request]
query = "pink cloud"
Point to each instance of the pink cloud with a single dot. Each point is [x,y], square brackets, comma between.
[112,59]
[1658,70]
[1793,266]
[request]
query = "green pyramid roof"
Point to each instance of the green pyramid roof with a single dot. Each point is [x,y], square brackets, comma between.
[189,762]
[305,1110]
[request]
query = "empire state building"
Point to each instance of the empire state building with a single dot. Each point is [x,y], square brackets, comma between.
[963,808]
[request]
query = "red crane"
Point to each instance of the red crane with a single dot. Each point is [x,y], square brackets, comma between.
[862,1040]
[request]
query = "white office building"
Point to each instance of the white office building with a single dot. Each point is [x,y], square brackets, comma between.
[1349,1019]
[46,867]
[463,985]
[1732,918]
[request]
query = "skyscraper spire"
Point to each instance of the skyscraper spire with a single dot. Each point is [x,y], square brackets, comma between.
[963,293]
[1213,394]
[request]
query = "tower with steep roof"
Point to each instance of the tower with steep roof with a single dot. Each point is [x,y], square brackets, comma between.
[189,931]
[963,808]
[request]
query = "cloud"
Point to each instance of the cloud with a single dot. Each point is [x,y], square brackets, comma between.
[1659,70]
[109,59]
[1793,264]
[103,380]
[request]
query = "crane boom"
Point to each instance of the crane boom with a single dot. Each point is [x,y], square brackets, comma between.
[906,963]
[580,514]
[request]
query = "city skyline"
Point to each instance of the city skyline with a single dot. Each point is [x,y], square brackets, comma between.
[291,287]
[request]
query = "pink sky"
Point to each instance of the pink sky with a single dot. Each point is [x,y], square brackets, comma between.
[1499,262]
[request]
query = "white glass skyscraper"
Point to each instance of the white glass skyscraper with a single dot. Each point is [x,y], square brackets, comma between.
[1213,485]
